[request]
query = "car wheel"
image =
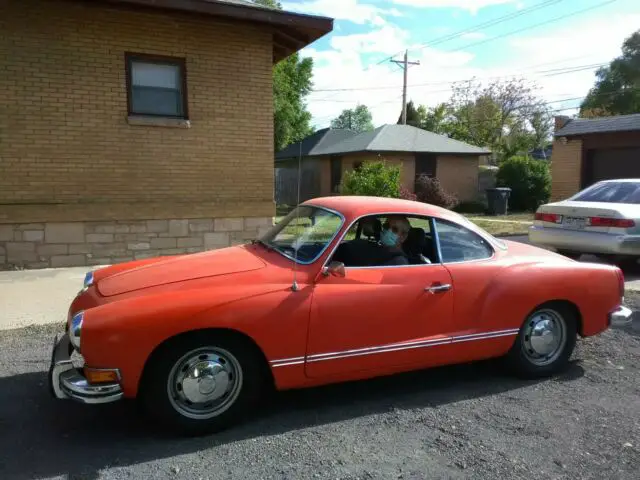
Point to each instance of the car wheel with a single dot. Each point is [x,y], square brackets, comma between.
[203,383]
[545,341]
[570,254]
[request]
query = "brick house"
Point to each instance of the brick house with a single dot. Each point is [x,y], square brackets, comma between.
[135,128]
[589,150]
[328,154]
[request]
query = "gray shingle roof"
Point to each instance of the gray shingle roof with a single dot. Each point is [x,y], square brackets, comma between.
[241,3]
[582,126]
[387,138]
[315,144]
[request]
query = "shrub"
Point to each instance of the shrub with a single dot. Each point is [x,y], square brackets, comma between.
[373,179]
[429,190]
[405,194]
[471,206]
[529,180]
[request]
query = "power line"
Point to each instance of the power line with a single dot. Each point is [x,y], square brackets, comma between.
[551,72]
[480,26]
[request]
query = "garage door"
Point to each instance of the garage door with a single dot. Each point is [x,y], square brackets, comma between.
[611,163]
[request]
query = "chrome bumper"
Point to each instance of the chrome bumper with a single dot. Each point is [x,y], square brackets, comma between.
[583,241]
[621,317]
[66,381]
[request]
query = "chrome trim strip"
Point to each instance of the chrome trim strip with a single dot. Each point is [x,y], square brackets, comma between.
[342,220]
[394,347]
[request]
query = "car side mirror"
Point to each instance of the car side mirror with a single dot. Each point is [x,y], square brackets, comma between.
[334,268]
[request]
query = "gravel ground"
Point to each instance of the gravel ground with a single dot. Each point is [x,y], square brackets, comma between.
[468,421]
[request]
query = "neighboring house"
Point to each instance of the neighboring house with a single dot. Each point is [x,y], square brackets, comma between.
[134,128]
[328,154]
[588,150]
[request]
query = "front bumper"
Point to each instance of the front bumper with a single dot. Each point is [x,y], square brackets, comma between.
[66,381]
[621,317]
[585,242]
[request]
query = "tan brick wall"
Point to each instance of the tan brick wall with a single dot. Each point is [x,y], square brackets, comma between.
[566,169]
[459,176]
[67,151]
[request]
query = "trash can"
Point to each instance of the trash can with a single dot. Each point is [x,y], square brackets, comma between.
[498,200]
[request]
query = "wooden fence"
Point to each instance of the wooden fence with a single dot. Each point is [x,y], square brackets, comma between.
[286,185]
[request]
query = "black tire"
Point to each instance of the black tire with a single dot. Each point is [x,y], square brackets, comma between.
[520,357]
[249,370]
[570,254]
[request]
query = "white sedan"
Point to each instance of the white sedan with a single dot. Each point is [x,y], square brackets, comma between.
[603,220]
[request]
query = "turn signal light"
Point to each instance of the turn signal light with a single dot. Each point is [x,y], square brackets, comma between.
[95,376]
[611,222]
[548,217]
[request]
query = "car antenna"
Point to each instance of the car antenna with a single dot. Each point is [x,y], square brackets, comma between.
[294,286]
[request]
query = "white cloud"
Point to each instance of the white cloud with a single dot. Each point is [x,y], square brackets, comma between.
[472,6]
[350,10]
[530,57]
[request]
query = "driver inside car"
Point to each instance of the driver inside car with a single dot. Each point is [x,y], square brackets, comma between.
[394,233]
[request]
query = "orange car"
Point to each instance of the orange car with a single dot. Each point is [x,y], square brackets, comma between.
[343,288]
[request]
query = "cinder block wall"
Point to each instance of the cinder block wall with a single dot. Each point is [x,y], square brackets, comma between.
[78,182]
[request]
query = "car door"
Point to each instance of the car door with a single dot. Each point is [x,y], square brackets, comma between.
[474,265]
[376,318]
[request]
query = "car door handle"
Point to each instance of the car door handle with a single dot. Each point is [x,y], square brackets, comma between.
[438,288]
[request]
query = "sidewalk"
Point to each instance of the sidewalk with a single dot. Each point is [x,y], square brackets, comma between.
[39,297]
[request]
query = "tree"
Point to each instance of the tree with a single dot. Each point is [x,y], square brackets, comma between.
[617,88]
[292,82]
[505,116]
[373,179]
[529,180]
[413,116]
[357,119]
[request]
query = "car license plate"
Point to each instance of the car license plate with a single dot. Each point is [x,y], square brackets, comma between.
[575,223]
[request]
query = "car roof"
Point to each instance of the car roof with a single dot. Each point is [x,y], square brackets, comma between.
[356,206]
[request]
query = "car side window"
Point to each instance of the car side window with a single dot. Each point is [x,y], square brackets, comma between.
[459,244]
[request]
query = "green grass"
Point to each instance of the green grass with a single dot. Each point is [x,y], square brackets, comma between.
[502,228]
[517,217]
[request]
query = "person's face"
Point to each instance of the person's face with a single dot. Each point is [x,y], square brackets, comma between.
[398,227]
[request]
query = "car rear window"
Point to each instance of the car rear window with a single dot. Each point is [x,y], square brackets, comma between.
[611,192]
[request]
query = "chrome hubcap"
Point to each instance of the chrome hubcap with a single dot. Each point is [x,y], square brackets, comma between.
[204,382]
[544,337]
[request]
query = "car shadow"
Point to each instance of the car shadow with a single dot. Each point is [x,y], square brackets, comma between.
[44,437]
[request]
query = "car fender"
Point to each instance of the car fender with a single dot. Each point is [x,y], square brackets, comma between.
[123,334]
[518,289]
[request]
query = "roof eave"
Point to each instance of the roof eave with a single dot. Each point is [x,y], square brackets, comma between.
[291,31]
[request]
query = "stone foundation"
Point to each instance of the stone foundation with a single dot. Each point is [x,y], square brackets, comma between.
[53,244]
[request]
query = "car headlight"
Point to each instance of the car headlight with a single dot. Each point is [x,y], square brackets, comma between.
[88,281]
[75,329]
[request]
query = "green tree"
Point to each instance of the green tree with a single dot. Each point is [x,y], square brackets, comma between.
[413,115]
[617,87]
[292,83]
[357,119]
[529,180]
[373,179]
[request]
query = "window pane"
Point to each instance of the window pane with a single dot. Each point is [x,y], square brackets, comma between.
[155,75]
[611,192]
[156,101]
[457,244]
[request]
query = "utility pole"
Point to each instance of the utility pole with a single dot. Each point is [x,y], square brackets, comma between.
[405,65]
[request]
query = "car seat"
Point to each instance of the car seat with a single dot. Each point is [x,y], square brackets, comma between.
[371,228]
[414,246]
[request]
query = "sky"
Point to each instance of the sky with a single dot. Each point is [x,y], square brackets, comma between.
[556,45]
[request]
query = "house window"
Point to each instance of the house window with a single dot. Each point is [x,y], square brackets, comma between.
[156,86]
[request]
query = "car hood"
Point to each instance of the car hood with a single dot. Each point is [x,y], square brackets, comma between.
[136,276]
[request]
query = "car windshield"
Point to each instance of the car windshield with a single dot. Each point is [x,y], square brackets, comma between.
[304,233]
[611,192]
